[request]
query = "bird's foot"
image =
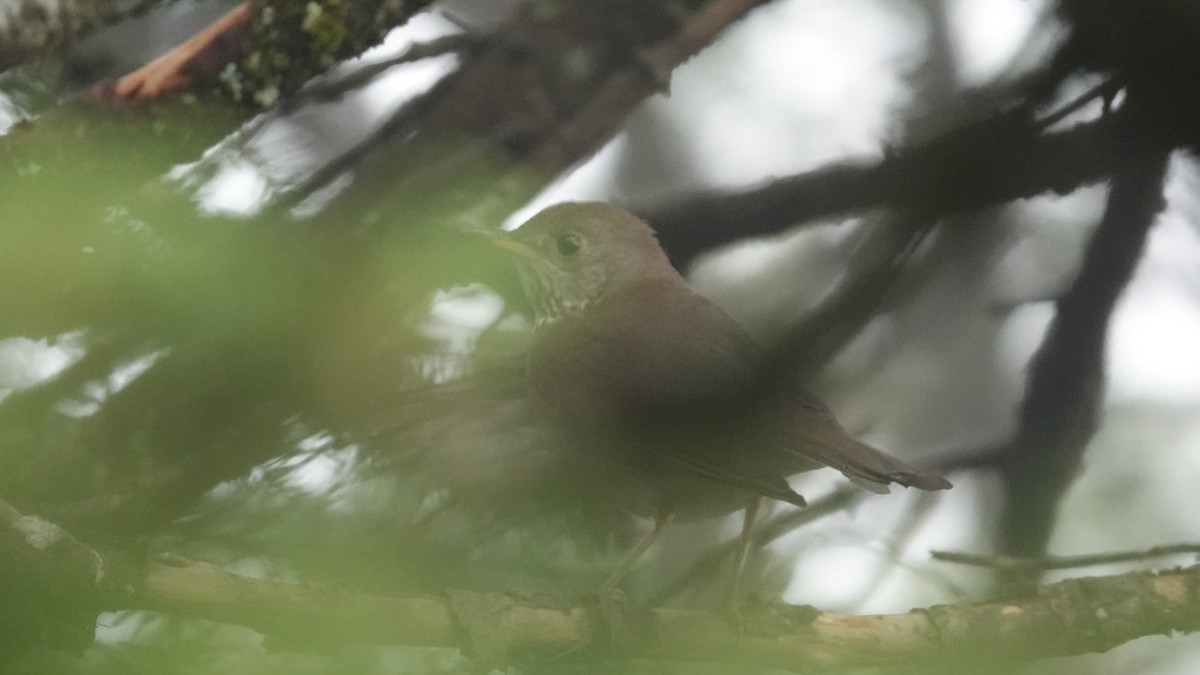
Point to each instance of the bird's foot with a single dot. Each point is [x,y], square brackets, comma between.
[613,607]
[763,615]
[608,608]
[616,622]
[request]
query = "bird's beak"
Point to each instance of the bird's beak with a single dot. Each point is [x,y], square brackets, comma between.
[503,241]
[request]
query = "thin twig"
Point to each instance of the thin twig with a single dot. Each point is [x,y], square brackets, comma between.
[334,88]
[891,556]
[400,124]
[1009,562]
[201,55]
[872,272]
[1105,90]
[840,499]
[604,114]
[970,458]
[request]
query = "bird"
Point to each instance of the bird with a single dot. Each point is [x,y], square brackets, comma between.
[660,401]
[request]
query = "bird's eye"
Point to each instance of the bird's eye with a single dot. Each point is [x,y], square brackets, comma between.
[569,244]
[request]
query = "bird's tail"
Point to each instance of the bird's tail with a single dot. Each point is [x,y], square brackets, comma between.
[874,469]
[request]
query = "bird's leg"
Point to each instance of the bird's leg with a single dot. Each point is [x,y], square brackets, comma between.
[743,551]
[661,523]
[610,598]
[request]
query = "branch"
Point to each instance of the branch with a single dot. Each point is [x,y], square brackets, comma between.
[513,117]
[286,43]
[1066,381]
[203,54]
[990,162]
[873,271]
[334,88]
[263,50]
[1054,562]
[581,135]
[1072,617]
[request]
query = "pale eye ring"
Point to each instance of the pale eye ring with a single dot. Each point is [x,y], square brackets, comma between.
[569,244]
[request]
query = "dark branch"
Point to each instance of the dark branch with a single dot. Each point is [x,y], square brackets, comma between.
[515,110]
[1066,382]
[334,88]
[992,162]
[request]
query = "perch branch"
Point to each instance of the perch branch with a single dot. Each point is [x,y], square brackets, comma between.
[1071,617]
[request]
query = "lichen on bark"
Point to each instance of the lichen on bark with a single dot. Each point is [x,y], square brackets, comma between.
[287,43]
[32,27]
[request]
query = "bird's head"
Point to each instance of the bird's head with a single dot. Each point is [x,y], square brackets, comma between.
[575,253]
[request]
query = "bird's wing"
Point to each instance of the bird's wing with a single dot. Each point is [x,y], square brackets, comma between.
[751,479]
[662,354]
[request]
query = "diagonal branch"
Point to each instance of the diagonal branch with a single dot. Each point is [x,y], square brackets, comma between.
[202,55]
[516,109]
[262,50]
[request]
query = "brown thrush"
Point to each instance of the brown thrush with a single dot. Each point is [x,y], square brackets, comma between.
[660,398]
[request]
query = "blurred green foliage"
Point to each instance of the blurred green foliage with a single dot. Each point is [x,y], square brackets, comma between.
[240,390]
[240,353]
[202,339]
